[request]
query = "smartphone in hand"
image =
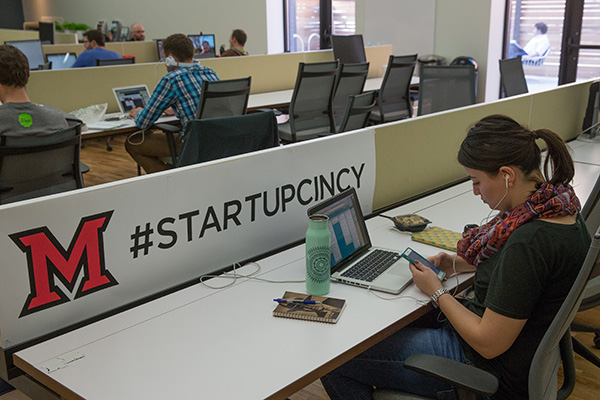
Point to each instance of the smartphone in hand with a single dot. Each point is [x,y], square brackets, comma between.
[413,256]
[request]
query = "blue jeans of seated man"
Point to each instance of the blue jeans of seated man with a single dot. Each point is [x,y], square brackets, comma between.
[383,366]
[5,387]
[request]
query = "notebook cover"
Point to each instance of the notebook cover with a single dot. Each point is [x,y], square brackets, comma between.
[329,311]
[439,237]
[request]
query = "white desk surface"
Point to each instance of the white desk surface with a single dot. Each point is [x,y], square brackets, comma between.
[201,342]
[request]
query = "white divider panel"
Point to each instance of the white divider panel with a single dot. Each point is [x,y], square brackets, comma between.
[69,257]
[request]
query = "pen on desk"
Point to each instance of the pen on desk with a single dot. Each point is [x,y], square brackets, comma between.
[297,301]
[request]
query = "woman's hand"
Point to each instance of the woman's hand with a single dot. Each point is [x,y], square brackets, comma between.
[448,262]
[425,279]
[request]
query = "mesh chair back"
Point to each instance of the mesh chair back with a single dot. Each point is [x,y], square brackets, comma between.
[115,61]
[351,81]
[393,100]
[223,98]
[358,111]
[37,166]
[214,138]
[445,87]
[513,77]
[556,344]
[591,215]
[311,105]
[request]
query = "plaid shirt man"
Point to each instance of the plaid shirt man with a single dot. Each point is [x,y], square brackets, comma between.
[179,89]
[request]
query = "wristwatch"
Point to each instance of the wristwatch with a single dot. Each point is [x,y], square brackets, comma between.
[437,294]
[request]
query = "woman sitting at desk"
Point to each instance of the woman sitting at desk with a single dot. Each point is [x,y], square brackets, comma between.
[525,260]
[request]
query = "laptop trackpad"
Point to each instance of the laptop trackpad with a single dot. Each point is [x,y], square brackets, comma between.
[400,270]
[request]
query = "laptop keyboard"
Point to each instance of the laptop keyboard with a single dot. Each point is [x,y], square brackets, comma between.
[372,265]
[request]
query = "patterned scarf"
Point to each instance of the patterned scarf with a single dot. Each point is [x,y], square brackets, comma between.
[548,201]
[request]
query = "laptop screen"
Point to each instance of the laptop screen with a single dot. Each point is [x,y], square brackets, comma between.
[32,50]
[61,60]
[131,97]
[204,45]
[347,227]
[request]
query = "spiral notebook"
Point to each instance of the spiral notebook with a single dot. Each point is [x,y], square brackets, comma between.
[439,237]
[328,311]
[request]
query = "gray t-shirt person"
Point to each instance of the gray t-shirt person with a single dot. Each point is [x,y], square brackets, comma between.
[29,119]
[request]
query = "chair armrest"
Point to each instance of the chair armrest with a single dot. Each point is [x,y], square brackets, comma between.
[167,128]
[454,373]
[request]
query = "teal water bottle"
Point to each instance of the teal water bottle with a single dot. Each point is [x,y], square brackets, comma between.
[318,255]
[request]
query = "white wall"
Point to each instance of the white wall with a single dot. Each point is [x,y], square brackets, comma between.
[162,18]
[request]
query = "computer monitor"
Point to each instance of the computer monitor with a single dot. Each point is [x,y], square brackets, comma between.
[348,49]
[115,61]
[204,45]
[159,49]
[590,120]
[32,50]
[46,30]
[61,60]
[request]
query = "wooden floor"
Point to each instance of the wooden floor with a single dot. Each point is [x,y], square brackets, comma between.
[115,165]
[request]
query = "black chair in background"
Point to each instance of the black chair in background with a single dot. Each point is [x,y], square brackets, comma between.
[393,98]
[358,111]
[351,81]
[115,61]
[445,87]
[225,98]
[554,348]
[512,77]
[38,166]
[310,110]
[214,138]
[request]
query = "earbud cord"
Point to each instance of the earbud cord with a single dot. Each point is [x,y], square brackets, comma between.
[494,208]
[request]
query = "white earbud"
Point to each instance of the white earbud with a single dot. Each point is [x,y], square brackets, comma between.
[171,62]
[507,177]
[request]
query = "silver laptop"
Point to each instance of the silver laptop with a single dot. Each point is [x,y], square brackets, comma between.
[353,260]
[131,97]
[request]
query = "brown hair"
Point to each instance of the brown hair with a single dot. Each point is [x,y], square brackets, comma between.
[14,66]
[95,35]
[498,140]
[240,36]
[180,46]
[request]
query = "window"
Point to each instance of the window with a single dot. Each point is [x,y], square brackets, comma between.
[309,23]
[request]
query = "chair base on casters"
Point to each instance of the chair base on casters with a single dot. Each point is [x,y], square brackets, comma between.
[585,352]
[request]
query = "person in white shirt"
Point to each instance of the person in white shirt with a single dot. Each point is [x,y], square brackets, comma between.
[536,47]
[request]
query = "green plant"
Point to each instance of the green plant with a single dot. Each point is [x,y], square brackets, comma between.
[75,27]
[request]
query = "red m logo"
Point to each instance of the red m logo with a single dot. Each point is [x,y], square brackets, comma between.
[47,259]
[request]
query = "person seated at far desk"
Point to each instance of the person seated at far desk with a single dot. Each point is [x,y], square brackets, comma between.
[237,41]
[18,115]
[94,42]
[536,47]
[138,33]
[179,89]
[522,274]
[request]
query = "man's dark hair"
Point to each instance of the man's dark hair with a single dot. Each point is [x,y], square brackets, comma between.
[180,46]
[240,36]
[542,27]
[14,66]
[95,35]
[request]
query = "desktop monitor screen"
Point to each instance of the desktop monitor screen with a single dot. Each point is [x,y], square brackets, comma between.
[46,32]
[32,50]
[349,49]
[204,45]
[159,49]
[61,60]
[592,112]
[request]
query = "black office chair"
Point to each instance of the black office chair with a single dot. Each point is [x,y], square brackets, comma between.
[38,166]
[591,296]
[512,77]
[224,98]
[115,61]
[445,87]
[351,81]
[214,138]
[310,110]
[358,111]
[393,98]
[554,348]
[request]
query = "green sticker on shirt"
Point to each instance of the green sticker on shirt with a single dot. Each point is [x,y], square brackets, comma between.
[25,120]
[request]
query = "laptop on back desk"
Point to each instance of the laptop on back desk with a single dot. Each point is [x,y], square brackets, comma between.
[354,260]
